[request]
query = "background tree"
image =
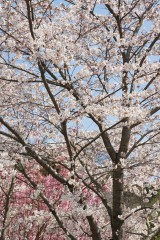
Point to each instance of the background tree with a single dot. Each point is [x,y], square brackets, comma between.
[79,105]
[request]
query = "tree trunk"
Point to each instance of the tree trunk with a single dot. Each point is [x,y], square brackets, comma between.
[117,203]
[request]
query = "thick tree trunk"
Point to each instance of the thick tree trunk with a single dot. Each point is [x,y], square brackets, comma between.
[94,228]
[117,203]
[117,191]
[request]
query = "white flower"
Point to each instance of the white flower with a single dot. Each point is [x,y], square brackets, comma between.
[11,43]
[1,167]
[123,162]
[71,181]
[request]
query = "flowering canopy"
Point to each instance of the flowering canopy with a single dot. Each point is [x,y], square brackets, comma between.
[79,119]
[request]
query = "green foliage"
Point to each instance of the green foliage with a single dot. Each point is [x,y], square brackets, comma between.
[157,237]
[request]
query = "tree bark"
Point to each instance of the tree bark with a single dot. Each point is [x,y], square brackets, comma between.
[94,228]
[117,188]
[117,203]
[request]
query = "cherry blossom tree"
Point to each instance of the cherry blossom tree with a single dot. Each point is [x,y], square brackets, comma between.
[79,119]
